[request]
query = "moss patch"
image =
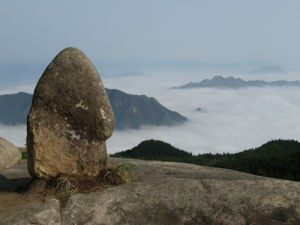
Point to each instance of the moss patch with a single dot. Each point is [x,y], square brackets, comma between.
[24,155]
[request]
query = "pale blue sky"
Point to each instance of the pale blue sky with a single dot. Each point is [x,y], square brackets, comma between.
[124,35]
[155,30]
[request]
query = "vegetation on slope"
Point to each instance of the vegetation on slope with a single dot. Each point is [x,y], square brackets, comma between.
[277,158]
[133,111]
[156,150]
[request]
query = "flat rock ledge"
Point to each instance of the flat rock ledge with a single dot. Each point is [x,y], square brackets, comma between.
[165,193]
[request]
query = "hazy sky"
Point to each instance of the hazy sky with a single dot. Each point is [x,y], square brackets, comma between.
[124,35]
[157,30]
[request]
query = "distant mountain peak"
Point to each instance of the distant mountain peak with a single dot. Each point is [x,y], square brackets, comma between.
[131,111]
[22,93]
[232,82]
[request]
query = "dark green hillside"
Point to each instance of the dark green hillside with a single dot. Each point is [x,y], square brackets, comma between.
[131,111]
[155,150]
[278,158]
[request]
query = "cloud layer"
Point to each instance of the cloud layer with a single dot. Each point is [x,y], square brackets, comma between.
[231,120]
[15,134]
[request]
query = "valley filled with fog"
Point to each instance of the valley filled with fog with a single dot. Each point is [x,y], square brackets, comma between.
[231,120]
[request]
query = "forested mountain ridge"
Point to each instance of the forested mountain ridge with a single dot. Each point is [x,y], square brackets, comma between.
[277,158]
[14,108]
[132,111]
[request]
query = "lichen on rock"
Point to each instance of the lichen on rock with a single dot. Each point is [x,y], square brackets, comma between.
[66,127]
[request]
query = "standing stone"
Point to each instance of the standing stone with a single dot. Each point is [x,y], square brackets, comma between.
[9,154]
[70,119]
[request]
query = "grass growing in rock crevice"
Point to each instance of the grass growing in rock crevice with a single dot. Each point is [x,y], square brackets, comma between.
[24,155]
[62,187]
[121,174]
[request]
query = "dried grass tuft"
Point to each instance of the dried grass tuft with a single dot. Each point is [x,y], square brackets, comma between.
[121,174]
[63,187]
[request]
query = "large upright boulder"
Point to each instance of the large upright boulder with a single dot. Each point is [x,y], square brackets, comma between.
[9,154]
[70,119]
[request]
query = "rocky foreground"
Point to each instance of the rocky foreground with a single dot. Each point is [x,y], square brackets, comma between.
[160,193]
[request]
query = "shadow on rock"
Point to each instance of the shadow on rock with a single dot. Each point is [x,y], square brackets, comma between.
[13,185]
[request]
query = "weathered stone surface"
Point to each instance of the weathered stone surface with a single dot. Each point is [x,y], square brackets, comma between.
[177,193]
[9,154]
[164,193]
[33,212]
[70,119]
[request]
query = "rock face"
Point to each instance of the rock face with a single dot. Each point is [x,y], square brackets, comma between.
[42,212]
[9,154]
[70,119]
[168,193]
[178,193]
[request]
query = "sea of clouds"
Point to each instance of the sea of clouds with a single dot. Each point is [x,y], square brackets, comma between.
[231,120]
